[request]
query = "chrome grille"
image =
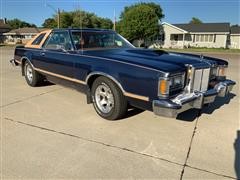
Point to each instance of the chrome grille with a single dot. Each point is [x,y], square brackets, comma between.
[201,79]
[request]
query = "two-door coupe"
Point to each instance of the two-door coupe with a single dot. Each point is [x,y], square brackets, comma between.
[115,74]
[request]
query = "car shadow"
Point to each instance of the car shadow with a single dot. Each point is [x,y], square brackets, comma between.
[192,114]
[237,155]
[133,112]
[45,83]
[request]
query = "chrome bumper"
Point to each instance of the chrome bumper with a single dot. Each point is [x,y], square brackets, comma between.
[183,102]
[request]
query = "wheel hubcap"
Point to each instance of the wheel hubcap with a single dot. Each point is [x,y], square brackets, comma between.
[104,98]
[29,73]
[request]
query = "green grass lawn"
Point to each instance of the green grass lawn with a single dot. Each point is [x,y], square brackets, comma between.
[214,50]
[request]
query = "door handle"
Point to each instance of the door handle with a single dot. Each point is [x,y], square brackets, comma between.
[42,53]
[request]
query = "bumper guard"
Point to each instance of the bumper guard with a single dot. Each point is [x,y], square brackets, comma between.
[183,102]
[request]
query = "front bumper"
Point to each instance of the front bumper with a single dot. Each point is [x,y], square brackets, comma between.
[183,102]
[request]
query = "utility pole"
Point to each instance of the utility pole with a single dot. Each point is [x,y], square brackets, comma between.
[114,21]
[58,12]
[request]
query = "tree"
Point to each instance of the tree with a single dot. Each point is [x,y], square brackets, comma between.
[50,23]
[78,19]
[157,8]
[106,23]
[140,21]
[17,23]
[66,19]
[195,20]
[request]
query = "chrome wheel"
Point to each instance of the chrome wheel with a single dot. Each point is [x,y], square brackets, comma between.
[29,72]
[104,98]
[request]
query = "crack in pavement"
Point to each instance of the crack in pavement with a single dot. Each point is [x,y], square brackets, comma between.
[123,148]
[188,154]
[27,98]
[92,141]
[204,170]
[190,145]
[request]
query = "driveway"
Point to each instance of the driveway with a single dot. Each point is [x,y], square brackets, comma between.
[51,132]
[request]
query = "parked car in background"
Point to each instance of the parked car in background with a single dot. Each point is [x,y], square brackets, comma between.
[115,74]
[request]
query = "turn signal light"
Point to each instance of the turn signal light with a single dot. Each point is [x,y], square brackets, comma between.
[163,86]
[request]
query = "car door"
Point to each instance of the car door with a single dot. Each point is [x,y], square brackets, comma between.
[55,57]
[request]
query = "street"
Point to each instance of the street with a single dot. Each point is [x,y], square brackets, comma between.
[51,132]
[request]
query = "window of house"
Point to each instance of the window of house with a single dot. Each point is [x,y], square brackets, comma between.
[204,38]
[211,38]
[38,40]
[197,38]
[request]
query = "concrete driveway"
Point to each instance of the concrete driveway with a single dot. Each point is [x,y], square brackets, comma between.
[50,132]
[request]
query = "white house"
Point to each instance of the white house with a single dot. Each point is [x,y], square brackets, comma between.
[210,35]
[235,37]
[21,35]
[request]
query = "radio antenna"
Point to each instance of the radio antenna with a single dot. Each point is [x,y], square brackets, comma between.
[80,24]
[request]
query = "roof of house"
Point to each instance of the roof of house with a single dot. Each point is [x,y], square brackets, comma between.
[205,27]
[235,29]
[4,27]
[25,30]
[41,29]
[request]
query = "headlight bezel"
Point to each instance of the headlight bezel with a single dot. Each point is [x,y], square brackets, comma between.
[218,72]
[166,85]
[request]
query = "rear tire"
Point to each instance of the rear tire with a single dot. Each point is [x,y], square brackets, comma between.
[32,77]
[108,99]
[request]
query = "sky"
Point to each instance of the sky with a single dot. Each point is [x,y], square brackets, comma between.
[176,11]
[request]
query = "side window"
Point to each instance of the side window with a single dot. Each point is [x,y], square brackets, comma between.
[38,40]
[77,40]
[59,40]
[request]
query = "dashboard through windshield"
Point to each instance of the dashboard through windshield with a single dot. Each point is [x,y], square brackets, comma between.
[99,40]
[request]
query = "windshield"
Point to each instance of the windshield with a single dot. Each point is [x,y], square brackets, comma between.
[99,40]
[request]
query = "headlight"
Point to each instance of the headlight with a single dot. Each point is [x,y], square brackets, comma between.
[170,84]
[214,71]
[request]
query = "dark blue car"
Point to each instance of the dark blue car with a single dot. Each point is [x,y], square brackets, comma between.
[115,75]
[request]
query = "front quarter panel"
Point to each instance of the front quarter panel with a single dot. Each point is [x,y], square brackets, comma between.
[134,80]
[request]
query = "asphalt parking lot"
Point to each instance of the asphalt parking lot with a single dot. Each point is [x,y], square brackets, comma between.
[50,132]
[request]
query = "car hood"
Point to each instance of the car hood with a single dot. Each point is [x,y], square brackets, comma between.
[157,59]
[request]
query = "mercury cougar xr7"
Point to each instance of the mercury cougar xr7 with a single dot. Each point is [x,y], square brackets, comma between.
[115,74]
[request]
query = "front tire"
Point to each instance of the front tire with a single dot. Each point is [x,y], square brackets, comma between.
[32,77]
[108,100]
